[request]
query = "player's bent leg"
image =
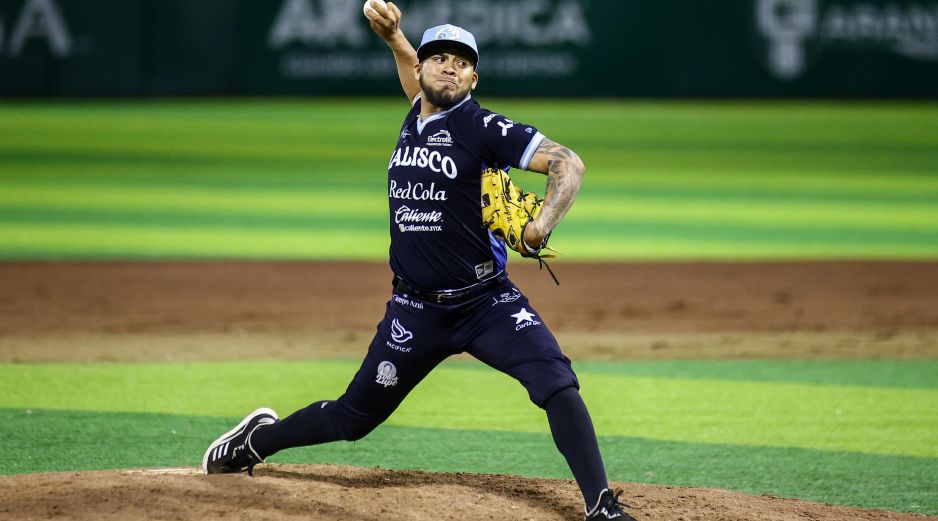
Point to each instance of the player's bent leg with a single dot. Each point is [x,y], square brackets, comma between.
[366,403]
[386,376]
[311,425]
[320,422]
[378,388]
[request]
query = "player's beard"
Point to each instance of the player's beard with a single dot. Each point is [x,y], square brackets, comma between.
[442,98]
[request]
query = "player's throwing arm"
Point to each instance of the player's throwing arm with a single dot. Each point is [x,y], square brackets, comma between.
[564,170]
[385,20]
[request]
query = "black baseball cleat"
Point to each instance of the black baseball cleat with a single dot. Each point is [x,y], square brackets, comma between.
[232,452]
[608,507]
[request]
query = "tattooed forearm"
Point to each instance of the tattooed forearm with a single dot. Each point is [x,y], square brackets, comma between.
[564,176]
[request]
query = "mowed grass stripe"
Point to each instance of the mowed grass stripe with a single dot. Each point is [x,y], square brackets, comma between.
[214,179]
[901,135]
[906,229]
[835,418]
[723,179]
[94,241]
[604,124]
[835,132]
[680,181]
[366,172]
[352,201]
[839,195]
[177,221]
[911,374]
[193,153]
[751,235]
[323,211]
[780,122]
[173,205]
[858,218]
[27,241]
[39,440]
[771,178]
[660,157]
[693,247]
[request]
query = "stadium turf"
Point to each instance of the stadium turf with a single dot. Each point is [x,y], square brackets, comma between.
[294,178]
[305,179]
[758,426]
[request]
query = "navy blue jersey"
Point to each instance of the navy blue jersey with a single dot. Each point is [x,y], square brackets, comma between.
[434,192]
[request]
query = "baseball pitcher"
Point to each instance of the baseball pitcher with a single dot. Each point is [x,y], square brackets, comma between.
[454,214]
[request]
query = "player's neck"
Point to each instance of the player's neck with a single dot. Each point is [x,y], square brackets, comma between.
[428,109]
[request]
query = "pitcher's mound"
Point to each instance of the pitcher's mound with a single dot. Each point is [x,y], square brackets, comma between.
[334,493]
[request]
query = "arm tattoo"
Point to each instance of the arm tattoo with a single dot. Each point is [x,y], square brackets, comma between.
[564,175]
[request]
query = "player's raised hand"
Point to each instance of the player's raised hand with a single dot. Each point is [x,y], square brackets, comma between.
[385,18]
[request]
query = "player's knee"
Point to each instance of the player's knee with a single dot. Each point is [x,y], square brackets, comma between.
[540,395]
[564,395]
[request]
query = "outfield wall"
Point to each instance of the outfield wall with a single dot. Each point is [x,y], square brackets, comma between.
[751,48]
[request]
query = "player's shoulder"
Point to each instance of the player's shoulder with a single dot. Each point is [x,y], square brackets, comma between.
[473,114]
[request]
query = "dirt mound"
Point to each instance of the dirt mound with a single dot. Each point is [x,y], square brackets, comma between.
[190,311]
[334,493]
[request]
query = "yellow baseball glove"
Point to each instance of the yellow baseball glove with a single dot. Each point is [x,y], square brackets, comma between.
[507,209]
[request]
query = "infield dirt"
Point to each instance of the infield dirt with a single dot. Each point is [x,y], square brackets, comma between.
[173,311]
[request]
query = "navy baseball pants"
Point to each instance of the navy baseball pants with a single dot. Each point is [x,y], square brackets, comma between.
[498,327]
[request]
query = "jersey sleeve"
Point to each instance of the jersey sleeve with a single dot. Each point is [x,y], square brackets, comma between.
[505,142]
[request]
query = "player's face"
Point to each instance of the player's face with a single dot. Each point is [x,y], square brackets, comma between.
[446,78]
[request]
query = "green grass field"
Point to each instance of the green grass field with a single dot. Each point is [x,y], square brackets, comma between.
[297,179]
[306,179]
[855,433]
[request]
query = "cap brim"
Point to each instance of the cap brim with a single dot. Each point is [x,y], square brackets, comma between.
[431,47]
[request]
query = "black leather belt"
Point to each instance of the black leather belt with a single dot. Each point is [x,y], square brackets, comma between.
[448,296]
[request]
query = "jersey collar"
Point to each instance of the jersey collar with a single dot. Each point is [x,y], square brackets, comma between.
[439,115]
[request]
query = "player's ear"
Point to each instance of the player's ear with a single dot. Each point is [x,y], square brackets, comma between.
[475,80]
[417,68]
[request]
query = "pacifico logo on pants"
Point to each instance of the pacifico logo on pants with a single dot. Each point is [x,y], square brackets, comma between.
[399,333]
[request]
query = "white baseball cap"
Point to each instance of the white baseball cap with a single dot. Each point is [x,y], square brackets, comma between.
[448,35]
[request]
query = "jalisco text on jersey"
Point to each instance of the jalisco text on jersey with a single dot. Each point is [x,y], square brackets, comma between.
[424,158]
[416,192]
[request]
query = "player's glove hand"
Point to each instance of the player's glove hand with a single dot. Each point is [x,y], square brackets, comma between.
[507,209]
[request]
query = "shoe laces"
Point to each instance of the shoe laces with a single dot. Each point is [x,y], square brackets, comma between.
[616,506]
[612,504]
[241,453]
[613,500]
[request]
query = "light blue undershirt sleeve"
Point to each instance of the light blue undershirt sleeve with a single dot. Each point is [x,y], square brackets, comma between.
[530,150]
